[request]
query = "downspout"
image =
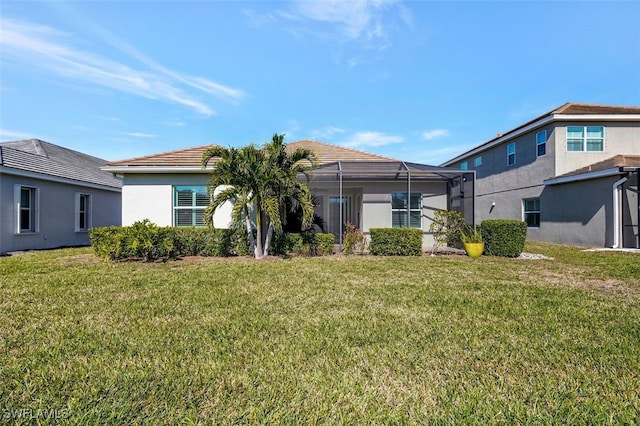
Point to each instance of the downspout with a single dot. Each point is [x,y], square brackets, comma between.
[616,212]
[341,203]
[473,208]
[408,194]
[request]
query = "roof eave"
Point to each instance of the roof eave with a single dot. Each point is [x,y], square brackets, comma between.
[51,178]
[584,176]
[155,169]
[539,123]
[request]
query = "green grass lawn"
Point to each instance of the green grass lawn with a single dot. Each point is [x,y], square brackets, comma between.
[444,339]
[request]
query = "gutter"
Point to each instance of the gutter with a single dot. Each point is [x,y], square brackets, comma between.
[51,178]
[154,169]
[583,176]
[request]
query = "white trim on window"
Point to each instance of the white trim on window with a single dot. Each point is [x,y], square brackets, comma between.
[541,143]
[583,138]
[531,212]
[82,212]
[30,210]
[399,212]
[511,154]
[189,204]
[477,162]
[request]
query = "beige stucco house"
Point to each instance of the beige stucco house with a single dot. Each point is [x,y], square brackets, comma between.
[365,189]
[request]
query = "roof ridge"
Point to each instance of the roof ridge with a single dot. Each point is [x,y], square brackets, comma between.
[570,105]
[382,157]
[162,153]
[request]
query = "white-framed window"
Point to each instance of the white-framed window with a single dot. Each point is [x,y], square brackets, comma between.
[477,161]
[189,203]
[399,205]
[26,199]
[511,154]
[531,212]
[464,165]
[541,143]
[82,212]
[585,138]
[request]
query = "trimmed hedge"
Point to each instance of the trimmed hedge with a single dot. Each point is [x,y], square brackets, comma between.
[305,244]
[148,242]
[396,241]
[503,237]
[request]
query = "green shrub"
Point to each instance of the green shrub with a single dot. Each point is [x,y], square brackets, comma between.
[503,237]
[446,228]
[353,240]
[108,242]
[147,241]
[396,241]
[324,244]
[304,244]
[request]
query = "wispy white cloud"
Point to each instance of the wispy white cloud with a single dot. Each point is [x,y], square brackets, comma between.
[43,47]
[174,123]
[140,135]
[363,23]
[371,139]
[6,134]
[435,133]
[292,127]
[327,133]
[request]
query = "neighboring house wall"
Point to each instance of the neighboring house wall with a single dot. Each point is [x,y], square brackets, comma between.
[56,215]
[576,213]
[500,187]
[619,138]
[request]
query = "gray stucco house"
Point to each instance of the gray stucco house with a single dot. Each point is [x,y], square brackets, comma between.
[51,196]
[571,174]
[368,190]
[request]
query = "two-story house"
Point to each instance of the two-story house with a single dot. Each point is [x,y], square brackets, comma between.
[571,174]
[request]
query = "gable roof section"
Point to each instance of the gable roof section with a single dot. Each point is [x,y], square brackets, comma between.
[53,161]
[609,167]
[568,111]
[189,159]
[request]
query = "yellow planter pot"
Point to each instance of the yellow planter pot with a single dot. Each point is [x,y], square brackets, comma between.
[474,249]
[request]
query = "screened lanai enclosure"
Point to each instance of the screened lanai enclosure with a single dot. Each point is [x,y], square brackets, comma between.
[385,194]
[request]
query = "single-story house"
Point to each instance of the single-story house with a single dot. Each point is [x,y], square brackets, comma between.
[368,190]
[51,196]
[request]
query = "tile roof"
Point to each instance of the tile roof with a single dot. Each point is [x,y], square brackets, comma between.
[34,155]
[190,157]
[610,163]
[576,108]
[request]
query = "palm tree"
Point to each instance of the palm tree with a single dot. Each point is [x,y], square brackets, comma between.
[261,179]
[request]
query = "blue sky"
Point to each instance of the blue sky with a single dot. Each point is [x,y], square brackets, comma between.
[421,81]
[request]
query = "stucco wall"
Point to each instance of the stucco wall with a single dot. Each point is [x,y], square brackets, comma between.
[375,208]
[579,213]
[56,214]
[500,188]
[620,138]
[150,196]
